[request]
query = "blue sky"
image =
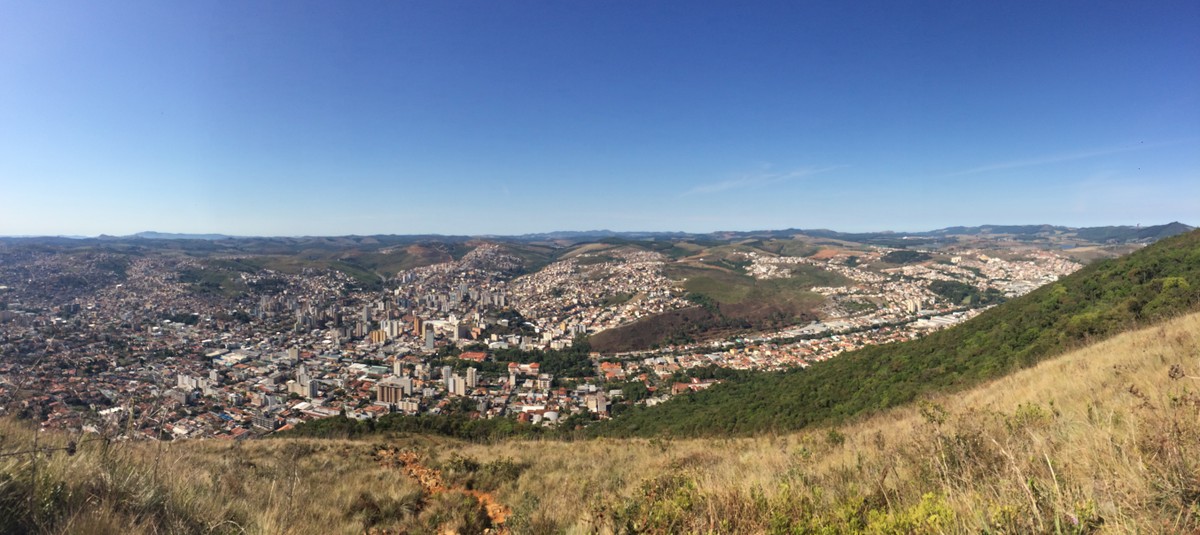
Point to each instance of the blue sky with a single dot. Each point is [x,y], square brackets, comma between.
[498,117]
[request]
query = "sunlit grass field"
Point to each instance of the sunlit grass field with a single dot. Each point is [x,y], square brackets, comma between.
[1103,439]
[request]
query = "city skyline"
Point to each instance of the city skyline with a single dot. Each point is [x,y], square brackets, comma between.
[456,118]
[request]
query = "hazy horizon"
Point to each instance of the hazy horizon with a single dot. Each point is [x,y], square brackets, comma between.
[577,231]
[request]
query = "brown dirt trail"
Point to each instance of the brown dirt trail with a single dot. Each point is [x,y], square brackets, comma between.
[431,480]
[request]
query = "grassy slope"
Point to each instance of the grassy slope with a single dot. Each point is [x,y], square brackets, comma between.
[365,264]
[723,279]
[786,247]
[741,301]
[1100,300]
[533,257]
[1103,438]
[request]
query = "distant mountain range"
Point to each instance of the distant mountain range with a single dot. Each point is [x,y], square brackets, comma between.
[151,235]
[1120,234]
[1110,234]
[1099,234]
[889,238]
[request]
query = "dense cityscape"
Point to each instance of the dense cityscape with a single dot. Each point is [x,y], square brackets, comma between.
[155,346]
[609,268]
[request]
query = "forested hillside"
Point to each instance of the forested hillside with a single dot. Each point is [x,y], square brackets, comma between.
[1103,299]
[1103,439]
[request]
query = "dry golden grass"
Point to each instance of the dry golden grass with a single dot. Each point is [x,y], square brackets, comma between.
[1104,439]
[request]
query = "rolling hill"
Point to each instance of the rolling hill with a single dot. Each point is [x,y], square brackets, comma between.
[1073,409]
[1101,439]
[1105,298]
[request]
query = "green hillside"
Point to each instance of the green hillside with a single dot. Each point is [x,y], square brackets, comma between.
[1104,439]
[1103,299]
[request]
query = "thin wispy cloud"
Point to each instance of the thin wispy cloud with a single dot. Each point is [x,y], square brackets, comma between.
[757,180]
[1057,158]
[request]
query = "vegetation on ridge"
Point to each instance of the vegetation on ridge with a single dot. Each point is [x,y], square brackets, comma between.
[1103,439]
[1100,300]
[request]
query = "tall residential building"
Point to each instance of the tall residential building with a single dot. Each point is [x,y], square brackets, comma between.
[186,382]
[393,328]
[410,406]
[597,403]
[457,386]
[472,378]
[265,420]
[390,390]
[304,389]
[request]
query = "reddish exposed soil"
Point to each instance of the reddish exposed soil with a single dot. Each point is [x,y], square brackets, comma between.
[696,323]
[431,480]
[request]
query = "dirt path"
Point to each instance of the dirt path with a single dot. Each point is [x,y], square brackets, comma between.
[431,480]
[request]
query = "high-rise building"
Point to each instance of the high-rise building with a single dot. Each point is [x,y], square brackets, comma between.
[472,378]
[597,403]
[265,420]
[391,327]
[410,406]
[457,386]
[390,390]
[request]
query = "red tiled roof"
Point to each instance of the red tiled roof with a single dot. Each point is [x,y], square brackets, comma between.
[477,356]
